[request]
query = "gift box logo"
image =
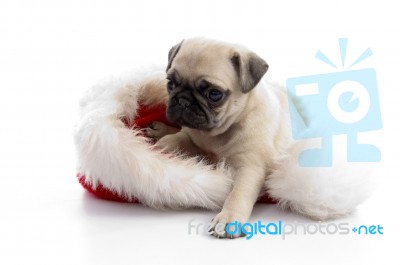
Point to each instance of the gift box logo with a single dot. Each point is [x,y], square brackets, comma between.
[344,102]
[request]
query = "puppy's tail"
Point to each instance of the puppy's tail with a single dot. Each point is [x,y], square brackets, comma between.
[123,161]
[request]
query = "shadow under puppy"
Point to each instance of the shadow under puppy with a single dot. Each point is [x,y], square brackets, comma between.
[227,112]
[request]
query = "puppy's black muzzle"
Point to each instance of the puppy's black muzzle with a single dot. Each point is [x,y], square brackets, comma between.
[184,110]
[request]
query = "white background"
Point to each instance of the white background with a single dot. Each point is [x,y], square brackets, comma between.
[52,51]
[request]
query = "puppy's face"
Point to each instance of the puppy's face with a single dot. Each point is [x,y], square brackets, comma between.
[209,82]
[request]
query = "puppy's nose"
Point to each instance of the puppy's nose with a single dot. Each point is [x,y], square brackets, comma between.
[184,102]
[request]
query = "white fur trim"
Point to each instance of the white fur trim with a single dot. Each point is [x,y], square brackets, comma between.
[320,193]
[123,161]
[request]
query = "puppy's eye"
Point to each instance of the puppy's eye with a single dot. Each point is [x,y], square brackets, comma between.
[214,95]
[170,85]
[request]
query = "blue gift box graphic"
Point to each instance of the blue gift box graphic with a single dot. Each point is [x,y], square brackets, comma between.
[325,105]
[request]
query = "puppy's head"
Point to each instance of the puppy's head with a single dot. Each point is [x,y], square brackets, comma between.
[209,83]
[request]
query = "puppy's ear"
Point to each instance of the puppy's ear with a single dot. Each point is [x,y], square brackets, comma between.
[250,68]
[172,53]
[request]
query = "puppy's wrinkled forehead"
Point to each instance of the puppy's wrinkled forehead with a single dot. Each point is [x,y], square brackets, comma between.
[204,59]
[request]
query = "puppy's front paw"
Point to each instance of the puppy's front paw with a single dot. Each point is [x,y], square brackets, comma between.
[226,220]
[156,130]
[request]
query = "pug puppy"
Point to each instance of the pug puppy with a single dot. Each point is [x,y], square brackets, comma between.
[226,113]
